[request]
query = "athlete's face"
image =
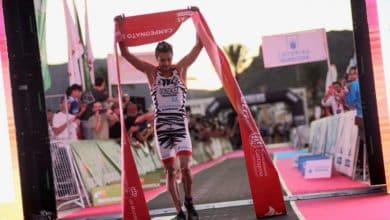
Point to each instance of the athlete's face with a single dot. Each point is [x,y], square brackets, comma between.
[353,74]
[164,60]
[337,87]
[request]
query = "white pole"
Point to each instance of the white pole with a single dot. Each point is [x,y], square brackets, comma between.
[81,67]
[326,48]
[108,74]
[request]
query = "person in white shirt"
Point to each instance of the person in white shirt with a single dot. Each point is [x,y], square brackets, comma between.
[50,115]
[334,98]
[65,125]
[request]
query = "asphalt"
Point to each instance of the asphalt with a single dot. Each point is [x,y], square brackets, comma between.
[223,182]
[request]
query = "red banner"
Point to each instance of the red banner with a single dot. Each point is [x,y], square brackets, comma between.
[142,29]
[263,178]
[133,200]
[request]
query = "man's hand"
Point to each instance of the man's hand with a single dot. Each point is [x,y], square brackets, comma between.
[194,8]
[134,129]
[109,111]
[119,18]
[118,35]
[77,122]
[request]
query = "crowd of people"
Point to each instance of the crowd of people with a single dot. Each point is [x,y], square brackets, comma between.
[344,95]
[85,115]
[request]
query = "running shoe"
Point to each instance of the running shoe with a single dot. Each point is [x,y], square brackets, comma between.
[192,214]
[180,216]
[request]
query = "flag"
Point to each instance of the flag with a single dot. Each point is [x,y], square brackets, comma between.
[88,48]
[83,61]
[75,48]
[40,17]
[331,76]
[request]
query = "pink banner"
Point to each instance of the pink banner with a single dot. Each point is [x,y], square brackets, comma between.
[263,178]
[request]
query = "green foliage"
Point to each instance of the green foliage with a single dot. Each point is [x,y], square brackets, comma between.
[238,57]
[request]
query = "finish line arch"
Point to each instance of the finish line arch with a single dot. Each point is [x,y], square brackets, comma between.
[295,102]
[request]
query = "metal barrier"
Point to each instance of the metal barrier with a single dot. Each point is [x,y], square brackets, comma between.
[53,101]
[69,188]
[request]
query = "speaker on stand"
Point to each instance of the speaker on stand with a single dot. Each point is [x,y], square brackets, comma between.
[38,195]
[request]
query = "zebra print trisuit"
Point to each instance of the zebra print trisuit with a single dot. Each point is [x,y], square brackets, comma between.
[170,125]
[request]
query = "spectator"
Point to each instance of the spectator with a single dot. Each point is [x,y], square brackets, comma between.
[50,115]
[352,94]
[64,124]
[352,97]
[130,115]
[99,122]
[136,123]
[125,99]
[97,94]
[74,93]
[334,98]
[264,131]
[144,123]
[235,135]
[115,124]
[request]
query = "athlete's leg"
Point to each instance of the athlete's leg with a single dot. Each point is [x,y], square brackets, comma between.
[185,161]
[178,174]
[173,189]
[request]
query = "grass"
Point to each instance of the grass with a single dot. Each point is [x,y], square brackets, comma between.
[154,177]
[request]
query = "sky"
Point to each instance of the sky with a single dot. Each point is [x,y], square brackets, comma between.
[244,22]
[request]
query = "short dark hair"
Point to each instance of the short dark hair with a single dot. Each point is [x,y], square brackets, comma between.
[99,81]
[163,47]
[353,68]
[336,83]
[73,88]
[115,106]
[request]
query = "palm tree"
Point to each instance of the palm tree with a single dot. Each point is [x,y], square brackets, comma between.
[238,58]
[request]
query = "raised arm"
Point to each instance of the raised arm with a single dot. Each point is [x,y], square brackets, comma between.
[141,65]
[190,58]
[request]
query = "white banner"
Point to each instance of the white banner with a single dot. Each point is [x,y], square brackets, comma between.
[294,48]
[129,74]
[88,47]
[337,136]
[319,168]
[346,144]
[75,49]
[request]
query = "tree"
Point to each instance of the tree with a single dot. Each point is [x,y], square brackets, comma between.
[238,57]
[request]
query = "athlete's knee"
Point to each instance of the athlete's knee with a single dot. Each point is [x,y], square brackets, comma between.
[170,171]
[185,171]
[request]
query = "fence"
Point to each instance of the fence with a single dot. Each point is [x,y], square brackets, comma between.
[53,101]
[68,187]
[337,136]
[89,170]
